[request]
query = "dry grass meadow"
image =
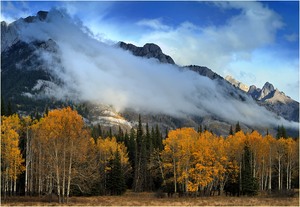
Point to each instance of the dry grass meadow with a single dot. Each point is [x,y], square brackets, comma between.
[149,199]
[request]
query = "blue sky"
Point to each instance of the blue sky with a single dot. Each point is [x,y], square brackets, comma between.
[254,42]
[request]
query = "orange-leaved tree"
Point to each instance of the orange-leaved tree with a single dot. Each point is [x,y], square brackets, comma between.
[11,158]
[61,142]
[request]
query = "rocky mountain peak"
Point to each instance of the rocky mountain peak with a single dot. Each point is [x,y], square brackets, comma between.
[252,88]
[42,15]
[149,50]
[268,87]
[151,47]
[276,101]
[236,83]
[266,92]
[10,32]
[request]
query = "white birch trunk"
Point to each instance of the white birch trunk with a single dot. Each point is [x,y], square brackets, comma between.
[64,174]
[270,170]
[70,172]
[279,173]
[27,161]
[175,176]
[57,176]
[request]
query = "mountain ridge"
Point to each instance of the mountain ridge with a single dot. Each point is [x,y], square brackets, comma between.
[27,80]
[271,98]
[149,50]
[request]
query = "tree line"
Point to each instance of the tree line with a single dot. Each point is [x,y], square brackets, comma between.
[59,154]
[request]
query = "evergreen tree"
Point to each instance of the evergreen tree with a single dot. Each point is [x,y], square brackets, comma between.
[153,138]
[167,132]
[139,156]
[249,182]
[46,110]
[148,140]
[120,136]
[100,131]
[9,109]
[110,135]
[131,147]
[200,129]
[126,139]
[230,131]
[94,133]
[37,116]
[205,128]
[116,180]
[3,111]
[158,136]
[148,182]
[281,132]
[237,127]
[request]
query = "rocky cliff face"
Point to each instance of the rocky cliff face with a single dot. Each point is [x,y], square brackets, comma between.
[276,101]
[236,83]
[204,71]
[262,94]
[271,98]
[9,35]
[149,50]
[10,32]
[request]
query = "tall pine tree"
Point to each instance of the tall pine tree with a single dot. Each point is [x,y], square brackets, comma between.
[148,182]
[281,132]
[237,127]
[115,180]
[249,182]
[9,111]
[3,111]
[230,131]
[139,156]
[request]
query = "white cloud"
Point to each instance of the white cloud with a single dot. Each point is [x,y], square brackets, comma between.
[10,12]
[291,37]
[6,18]
[232,48]
[153,23]
[100,73]
[268,66]
[216,46]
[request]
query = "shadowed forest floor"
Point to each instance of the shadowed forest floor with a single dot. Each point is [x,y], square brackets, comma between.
[149,199]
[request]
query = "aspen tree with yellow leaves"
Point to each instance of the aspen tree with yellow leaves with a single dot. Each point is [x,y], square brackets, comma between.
[61,141]
[63,158]
[26,127]
[11,158]
[201,163]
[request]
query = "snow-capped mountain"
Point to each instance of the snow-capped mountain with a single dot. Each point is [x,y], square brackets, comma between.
[51,60]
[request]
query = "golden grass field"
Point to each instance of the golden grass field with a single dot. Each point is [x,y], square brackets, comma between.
[149,199]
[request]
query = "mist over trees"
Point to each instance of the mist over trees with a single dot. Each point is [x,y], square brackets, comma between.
[59,154]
